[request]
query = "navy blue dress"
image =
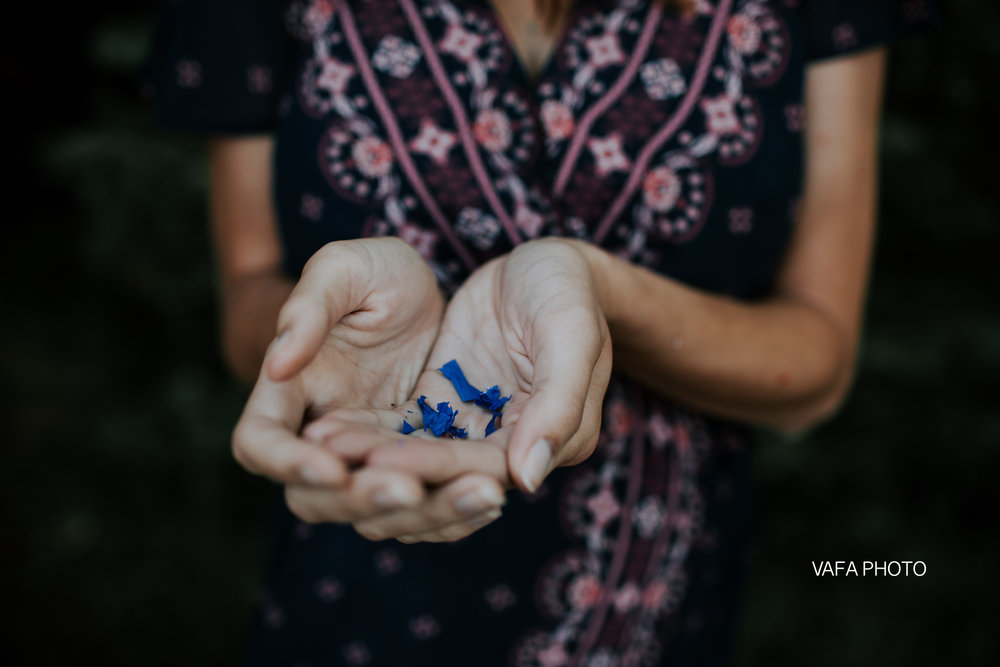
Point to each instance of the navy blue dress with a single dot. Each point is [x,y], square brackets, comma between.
[673,141]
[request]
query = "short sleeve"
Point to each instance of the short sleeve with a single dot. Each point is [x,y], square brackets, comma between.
[219,66]
[837,27]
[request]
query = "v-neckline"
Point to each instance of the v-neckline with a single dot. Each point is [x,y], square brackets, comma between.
[530,78]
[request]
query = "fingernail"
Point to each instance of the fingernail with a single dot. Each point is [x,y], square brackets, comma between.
[536,466]
[479,500]
[483,519]
[394,496]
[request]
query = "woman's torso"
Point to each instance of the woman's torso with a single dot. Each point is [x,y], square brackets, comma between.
[671,141]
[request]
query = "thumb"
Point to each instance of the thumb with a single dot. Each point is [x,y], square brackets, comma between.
[562,378]
[323,296]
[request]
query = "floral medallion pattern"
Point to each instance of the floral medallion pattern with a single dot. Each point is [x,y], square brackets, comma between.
[629,129]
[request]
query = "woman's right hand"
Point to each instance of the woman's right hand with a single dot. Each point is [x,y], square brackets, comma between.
[355,332]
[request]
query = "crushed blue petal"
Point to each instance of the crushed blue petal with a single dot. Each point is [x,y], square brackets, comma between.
[437,421]
[491,399]
[407,429]
[492,426]
[453,372]
[457,433]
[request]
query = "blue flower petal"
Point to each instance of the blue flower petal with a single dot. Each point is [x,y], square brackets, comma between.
[491,399]
[493,426]
[453,372]
[438,421]
[407,429]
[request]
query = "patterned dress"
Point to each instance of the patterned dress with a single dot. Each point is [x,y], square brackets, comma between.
[672,141]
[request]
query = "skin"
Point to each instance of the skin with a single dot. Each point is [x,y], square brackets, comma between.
[791,369]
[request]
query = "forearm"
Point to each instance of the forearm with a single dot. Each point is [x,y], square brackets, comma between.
[244,226]
[779,362]
[250,309]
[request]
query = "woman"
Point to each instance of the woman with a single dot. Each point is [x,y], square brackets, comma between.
[703,175]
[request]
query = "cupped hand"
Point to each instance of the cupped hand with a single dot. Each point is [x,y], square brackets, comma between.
[355,332]
[528,322]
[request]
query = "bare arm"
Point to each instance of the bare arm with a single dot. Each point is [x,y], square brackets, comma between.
[787,361]
[244,227]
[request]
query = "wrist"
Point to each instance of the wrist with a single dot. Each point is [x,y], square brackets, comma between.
[605,277]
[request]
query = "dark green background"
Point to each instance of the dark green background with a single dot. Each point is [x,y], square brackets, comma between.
[130,537]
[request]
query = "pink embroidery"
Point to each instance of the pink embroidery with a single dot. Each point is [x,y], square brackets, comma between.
[424,627]
[308,19]
[188,74]
[395,135]
[740,220]
[433,141]
[649,517]
[328,589]
[795,117]
[557,119]
[528,221]
[655,595]
[744,33]
[372,156]
[662,79]
[492,130]
[627,597]
[460,43]
[357,653]
[396,56]
[259,79]
[659,430]
[604,50]
[719,115]
[477,227]
[660,189]
[608,154]
[844,37]
[423,240]
[668,130]
[553,655]
[584,591]
[311,207]
[388,562]
[500,597]
[334,76]
[604,507]
[609,98]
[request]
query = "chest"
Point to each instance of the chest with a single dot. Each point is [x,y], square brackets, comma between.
[532,38]
[670,140]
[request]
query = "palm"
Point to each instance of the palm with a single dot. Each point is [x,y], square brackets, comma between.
[481,334]
[361,323]
[373,359]
[513,324]
[529,323]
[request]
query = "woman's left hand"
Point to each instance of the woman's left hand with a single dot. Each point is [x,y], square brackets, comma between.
[529,322]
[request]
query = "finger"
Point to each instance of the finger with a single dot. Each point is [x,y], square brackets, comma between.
[332,422]
[457,502]
[352,433]
[265,441]
[369,493]
[454,532]
[564,370]
[323,295]
[439,460]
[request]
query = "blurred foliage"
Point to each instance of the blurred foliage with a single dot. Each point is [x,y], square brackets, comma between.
[132,537]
